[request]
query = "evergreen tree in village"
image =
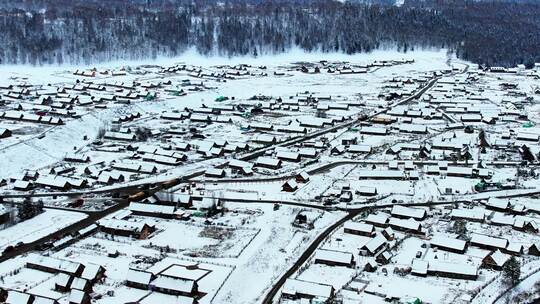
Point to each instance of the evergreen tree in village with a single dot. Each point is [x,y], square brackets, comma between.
[28,209]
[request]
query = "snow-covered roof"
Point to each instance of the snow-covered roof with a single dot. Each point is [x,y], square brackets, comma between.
[452,268]
[514,248]
[214,172]
[122,225]
[267,161]
[63,279]
[156,297]
[57,182]
[151,208]
[43,300]
[161,159]
[462,171]
[446,242]
[307,152]
[499,258]
[240,164]
[20,184]
[403,211]
[406,224]
[473,214]
[408,128]
[527,136]
[147,149]
[291,183]
[304,175]
[374,130]
[419,267]
[292,128]
[90,271]
[379,218]
[490,241]
[54,263]
[76,296]
[120,136]
[502,219]
[139,276]
[173,197]
[17,297]
[333,256]
[127,166]
[287,155]
[87,229]
[359,149]
[293,287]
[386,174]
[375,243]
[498,203]
[79,283]
[172,283]
[356,226]
[183,272]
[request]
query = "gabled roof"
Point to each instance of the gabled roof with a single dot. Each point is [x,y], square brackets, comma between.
[122,225]
[499,258]
[91,271]
[77,296]
[409,224]
[379,218]
[333,256]
[486,240]
[362,227]
[17,297]
[139,276]
[452,268]
[446,242]
[54,263]
[294,287]
[268,161]
[375,243]
[408,212]
[172,283]
[151,208]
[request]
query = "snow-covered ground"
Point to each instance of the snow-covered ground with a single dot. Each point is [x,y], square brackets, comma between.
[366,131]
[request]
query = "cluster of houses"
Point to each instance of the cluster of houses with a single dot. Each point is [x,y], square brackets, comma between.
[23,116]
[121,227]
[499,251]
[462,101]
[176,145]
[378,229]
[52,104]
[500,212]
[164,205]
[71,278]
[180,281]
[293,184]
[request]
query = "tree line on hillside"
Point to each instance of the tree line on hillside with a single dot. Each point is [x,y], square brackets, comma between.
[83,32]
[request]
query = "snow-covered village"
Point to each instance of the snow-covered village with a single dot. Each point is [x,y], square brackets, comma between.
[385,177]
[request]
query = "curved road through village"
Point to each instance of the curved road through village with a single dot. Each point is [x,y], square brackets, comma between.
[168,184]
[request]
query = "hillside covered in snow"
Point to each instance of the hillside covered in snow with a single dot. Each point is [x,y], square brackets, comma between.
[55,32]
